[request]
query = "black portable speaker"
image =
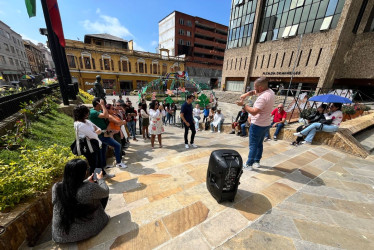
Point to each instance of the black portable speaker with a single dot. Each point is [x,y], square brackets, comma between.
[224,171]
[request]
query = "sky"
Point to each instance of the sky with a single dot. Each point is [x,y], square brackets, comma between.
[131,20]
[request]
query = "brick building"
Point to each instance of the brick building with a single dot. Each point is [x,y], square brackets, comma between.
[201,41]
[321,43]
[35,57]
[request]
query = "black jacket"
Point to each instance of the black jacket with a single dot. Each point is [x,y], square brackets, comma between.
[316,117]
[242,117]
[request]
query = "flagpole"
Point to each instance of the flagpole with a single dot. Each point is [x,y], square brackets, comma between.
[55,47]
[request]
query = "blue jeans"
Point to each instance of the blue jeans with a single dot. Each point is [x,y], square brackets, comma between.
[109,141]
[131,126]
[219,125]
[168,117]
[242,128]
[256,139]
[311,130]
[279,127]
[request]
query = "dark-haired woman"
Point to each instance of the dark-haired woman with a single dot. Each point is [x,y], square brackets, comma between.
[331,123]
[86,129]
[145,122]
[156,112]
[78,204]
[316,117]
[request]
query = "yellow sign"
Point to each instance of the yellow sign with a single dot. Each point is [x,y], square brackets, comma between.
[1,78]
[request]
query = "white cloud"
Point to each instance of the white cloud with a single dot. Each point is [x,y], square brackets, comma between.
[24,37]
[98,10]
[107,24]
[154,43]
[138,47]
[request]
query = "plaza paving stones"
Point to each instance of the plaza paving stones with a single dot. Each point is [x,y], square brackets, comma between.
[305,197]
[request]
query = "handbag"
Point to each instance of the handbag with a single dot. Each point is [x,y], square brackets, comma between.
[81,145]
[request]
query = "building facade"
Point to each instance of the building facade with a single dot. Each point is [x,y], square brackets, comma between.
[13,58]
[35,57]
[317,43]
[200,41]
[49,65]
[121,68]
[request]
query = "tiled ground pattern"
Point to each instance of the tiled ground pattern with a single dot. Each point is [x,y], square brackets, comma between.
[307,197]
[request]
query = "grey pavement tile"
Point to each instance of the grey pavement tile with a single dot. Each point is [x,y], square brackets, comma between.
[345,177]
[295,151]
[296,180]
[274,160]
[349,221]
[323,191]
[307,245]
[192,239]
[366,173]
[320,150]
[356,196]
[276,224]
[312,200]
[321,164]
[303,212]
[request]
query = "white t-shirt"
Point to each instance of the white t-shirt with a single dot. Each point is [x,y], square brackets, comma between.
[86,129]
[336,117]
[217,119]
[196,112]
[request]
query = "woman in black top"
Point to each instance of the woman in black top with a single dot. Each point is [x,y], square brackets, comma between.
[316,117]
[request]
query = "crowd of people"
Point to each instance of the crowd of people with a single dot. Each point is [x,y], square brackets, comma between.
[80,199]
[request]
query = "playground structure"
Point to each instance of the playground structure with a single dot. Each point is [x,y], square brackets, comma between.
[181,86]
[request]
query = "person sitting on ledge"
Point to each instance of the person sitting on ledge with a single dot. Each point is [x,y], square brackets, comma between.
[243,117]
[316,117]
[78,204]
[217,121]
[279,117]
[330,124]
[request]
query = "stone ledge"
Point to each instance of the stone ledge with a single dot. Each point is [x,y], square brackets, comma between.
[26,222]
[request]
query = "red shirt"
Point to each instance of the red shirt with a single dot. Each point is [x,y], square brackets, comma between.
[278,116]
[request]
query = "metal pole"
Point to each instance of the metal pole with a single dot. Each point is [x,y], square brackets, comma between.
[53,44]
[293,70]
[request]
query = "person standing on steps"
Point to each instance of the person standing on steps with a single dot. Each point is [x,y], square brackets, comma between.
[187,119]
[260,119]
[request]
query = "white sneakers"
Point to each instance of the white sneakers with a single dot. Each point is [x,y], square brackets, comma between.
[219,131]
[121,165]
[256,165]
[191,145]
[186,146]
[211,131]
[298,134]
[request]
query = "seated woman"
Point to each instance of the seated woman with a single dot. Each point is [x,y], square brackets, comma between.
[78,204]
[331,124]
[316,117]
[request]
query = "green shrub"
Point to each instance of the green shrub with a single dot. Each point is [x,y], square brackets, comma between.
[35,171]
[348,109]
[307,112]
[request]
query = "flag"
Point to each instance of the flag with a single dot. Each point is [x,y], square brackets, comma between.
[54,15]
[31,7]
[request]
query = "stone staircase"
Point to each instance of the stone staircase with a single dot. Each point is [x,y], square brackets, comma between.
[366,138]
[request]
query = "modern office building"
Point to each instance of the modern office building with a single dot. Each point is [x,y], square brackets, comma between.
[200,41]
[35,57]
[317,43]
[121,67]
[13,58]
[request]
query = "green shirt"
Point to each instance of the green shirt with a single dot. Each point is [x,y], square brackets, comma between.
[95,119]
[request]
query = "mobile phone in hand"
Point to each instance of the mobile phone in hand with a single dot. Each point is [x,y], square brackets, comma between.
[96,172]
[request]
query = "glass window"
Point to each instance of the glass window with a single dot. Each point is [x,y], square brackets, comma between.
[300,3]
[287,5]
[263,36]
[188,33]
[181,41]
[308,2]
[331,7]
[274,10]
[286,31]
[87,62]
[317,25]
[297,17]
[322,8]
[301,29]
[250,29]
[293,30]
[309,27]
[71,61]
[284,19]
[254,5]
[268,11]
[278,21]
[304,16]
[280,7]
[275,34]
[293,4]
[181,21]
[280,32]
[291,15]
[335,21]
[313,11]
[339,7]
[326,23]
